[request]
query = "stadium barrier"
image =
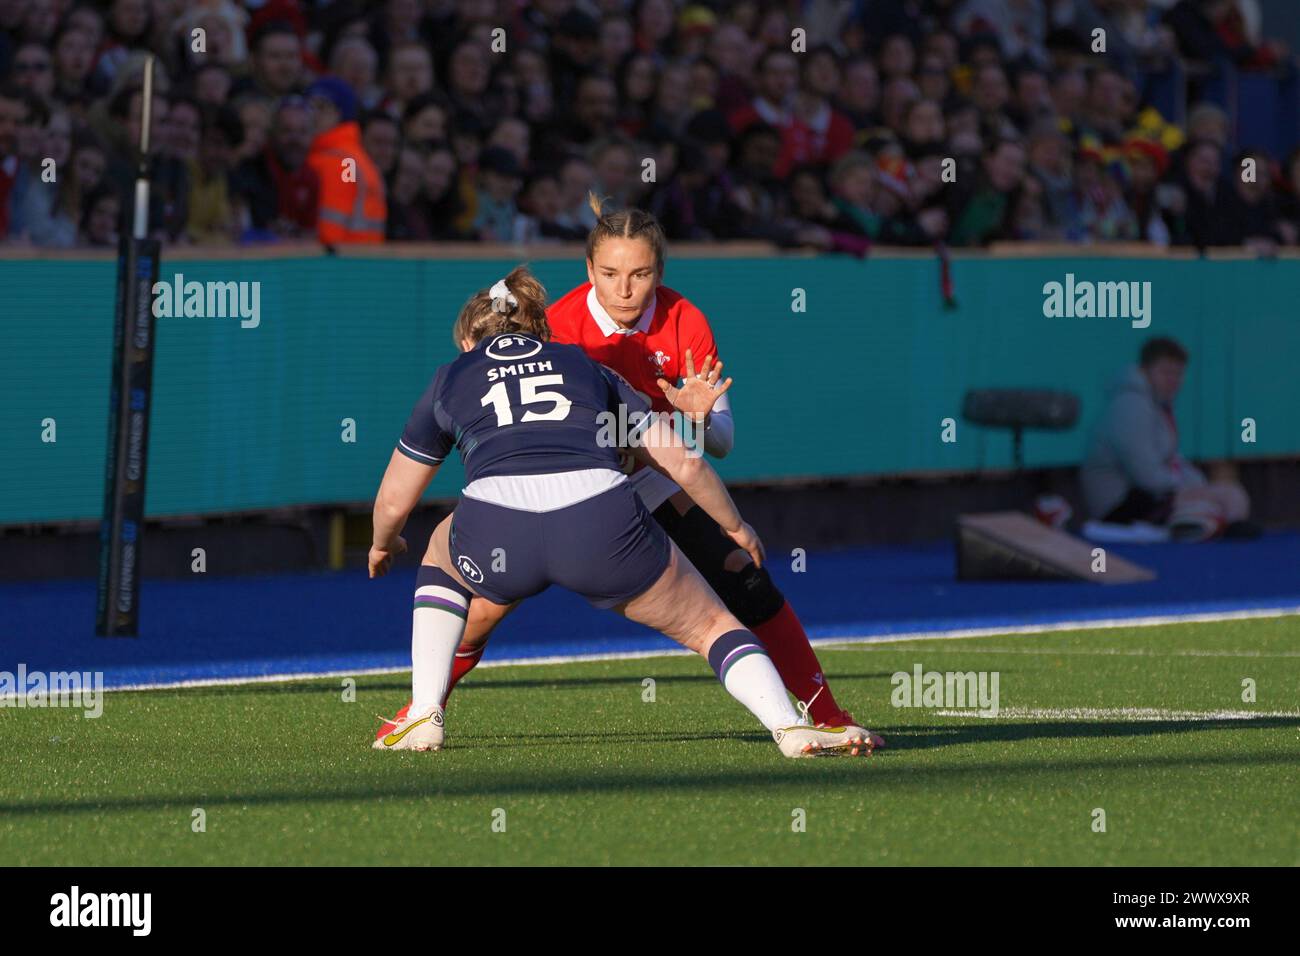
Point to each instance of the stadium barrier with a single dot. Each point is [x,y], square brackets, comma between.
[843,367]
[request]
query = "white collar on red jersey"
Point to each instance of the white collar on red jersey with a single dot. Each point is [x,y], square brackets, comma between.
[607,323]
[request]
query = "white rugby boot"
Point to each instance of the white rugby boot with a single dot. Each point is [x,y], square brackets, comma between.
[423,731]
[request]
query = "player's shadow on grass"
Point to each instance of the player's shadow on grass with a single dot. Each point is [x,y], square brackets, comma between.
[577,739]
[330,686]
[365,785]
[912,737]
[561,683]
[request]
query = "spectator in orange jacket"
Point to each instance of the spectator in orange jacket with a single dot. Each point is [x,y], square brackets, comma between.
[352,204]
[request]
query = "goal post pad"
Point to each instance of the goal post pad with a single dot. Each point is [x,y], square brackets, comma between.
[1010,545]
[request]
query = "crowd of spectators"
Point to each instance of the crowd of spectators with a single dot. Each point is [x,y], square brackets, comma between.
[826,124]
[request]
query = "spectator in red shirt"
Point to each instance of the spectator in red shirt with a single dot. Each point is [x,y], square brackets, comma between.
[817,133]
[778,80]
[811,129]
[280,189]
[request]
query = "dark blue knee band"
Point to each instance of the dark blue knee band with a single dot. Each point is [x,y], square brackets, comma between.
[731,647]
[429,575]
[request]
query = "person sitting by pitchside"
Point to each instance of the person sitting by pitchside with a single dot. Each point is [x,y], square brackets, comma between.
[1133,471]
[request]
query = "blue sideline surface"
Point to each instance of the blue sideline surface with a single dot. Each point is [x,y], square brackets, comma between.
[238,628]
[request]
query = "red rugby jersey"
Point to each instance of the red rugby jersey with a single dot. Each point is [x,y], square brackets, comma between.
[655,347]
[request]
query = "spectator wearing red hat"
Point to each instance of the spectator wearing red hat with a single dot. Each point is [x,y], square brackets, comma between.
[1147,161]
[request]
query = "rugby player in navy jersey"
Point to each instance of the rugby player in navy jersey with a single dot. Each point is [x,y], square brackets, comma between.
[625,318]
[544,489]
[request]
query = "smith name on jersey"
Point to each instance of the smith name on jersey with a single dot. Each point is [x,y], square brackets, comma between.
[516,405]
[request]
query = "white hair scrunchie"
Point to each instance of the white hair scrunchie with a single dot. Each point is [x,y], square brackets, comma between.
[503,300]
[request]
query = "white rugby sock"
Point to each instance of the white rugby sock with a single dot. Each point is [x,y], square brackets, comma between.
[746,671]
[437,625]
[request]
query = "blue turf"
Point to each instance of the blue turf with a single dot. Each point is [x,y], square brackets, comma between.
[240,627]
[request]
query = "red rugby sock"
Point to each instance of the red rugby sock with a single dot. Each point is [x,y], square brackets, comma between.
[462,665]
[787,645]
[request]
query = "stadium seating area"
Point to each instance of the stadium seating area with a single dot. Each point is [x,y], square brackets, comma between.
[894,122]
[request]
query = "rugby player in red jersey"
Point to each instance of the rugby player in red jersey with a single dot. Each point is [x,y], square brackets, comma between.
[623,317]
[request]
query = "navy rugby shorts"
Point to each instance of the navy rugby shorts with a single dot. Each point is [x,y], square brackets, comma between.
[607,548]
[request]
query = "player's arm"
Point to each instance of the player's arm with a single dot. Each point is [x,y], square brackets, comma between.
[654,442]
[661,448]
[404,482]
[425,442]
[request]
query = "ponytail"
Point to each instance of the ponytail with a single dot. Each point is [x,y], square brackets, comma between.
[516,303]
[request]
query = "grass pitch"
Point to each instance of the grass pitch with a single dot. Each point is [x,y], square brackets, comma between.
[1143,723]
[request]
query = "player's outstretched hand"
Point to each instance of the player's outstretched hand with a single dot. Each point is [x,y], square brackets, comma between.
[381,560]
[747,540]
[698,391]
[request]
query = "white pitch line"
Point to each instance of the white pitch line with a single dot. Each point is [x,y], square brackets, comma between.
[1122,713]
[1087,652]
[369,671]
[825,642]
[1089,625]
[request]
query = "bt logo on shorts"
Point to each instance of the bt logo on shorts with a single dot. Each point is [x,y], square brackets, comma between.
[469,569]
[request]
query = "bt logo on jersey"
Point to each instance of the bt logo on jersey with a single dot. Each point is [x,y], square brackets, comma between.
[508,347]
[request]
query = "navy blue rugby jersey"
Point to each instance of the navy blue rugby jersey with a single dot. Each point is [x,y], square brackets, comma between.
[516,405]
